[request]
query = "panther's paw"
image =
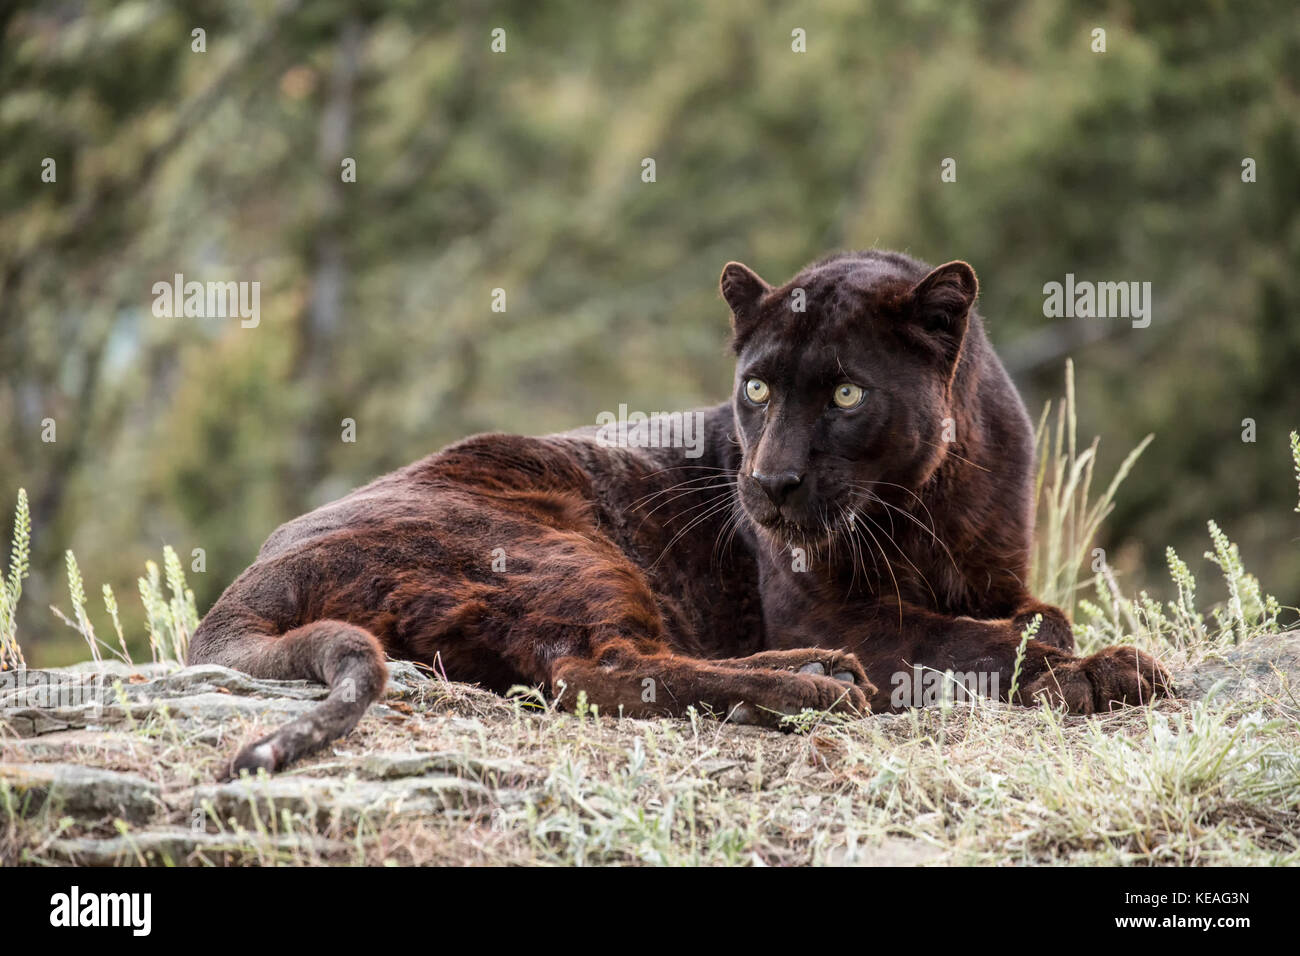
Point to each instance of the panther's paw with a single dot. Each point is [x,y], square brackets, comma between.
[1113,676]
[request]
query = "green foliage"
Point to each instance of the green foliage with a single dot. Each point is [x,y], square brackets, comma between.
[1026,635]
[1295,457]
[1152,624]
[171,621]
[81,621]
[110,605]
[11,586]
[1247,606]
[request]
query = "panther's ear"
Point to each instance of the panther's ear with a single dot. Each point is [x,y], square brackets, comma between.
[940,305]
[742,288]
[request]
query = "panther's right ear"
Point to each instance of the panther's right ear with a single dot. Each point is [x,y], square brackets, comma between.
[742,288]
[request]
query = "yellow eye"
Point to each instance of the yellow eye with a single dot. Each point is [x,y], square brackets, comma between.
[848,395]
[756,391]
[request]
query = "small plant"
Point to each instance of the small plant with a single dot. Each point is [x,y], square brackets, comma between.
[171,618]
[81,624]
[171,621]
[1185,618]
[1028,634]
[1248,607]
[1114,618]
[110,605]
[11,586]
[1295,457]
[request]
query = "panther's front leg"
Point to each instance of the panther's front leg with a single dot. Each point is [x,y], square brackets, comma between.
[893,642]
[1053,628]
[631,679]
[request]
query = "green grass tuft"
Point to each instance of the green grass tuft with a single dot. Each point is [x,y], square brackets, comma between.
[1067,520]
[11,586]
[172,617]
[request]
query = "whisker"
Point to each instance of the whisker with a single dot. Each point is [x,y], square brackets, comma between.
[725,499]
[903,555]
[863,483]
[958,457]
[681,484]
[917,522]
[739,519]
[659,471]
[727,529]
[888,568]
[862,546]
[685,511]
[684,494]
[847,514]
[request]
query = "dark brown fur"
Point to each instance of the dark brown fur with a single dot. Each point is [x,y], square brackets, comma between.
[654,582]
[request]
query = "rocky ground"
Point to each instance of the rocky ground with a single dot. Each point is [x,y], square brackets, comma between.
[109,763]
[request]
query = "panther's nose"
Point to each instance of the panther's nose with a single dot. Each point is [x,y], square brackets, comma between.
[779,486]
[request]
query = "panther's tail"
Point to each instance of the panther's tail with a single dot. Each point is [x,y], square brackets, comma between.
[347,658]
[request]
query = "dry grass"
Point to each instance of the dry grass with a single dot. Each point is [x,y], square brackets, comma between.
[1186,782]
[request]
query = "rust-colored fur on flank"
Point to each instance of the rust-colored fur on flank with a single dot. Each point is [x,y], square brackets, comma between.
[653,581]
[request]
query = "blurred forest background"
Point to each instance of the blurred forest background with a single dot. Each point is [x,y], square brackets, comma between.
[522,170]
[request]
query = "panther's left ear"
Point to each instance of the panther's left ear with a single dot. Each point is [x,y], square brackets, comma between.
[940,305]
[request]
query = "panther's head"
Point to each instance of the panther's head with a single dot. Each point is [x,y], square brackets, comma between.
[843,384]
